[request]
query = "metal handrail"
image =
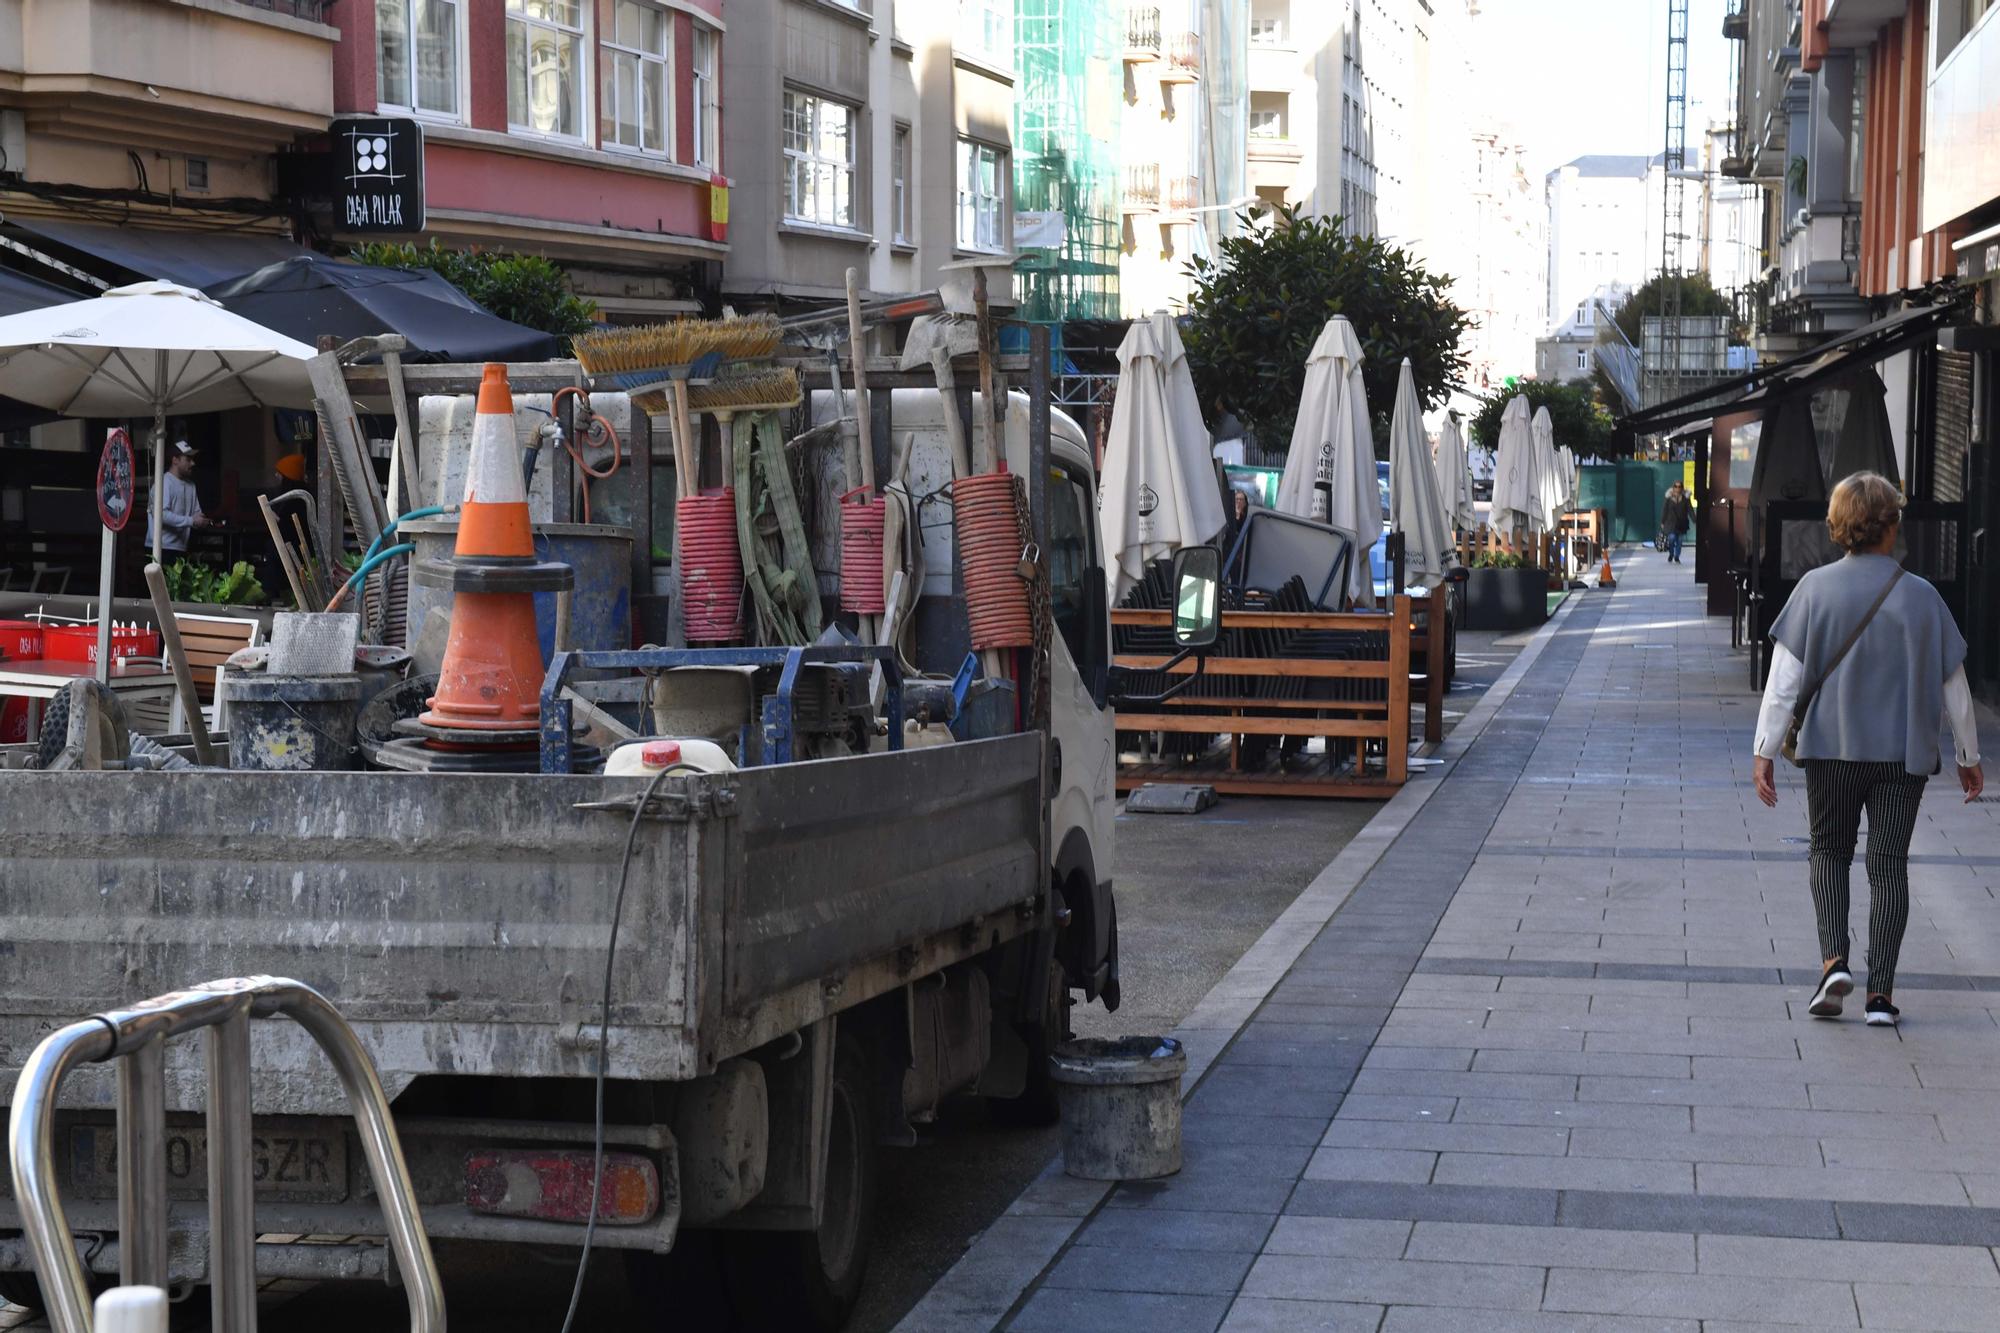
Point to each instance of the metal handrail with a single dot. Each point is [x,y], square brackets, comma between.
[136,1037]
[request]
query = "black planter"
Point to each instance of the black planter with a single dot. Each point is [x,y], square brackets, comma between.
[1506,599]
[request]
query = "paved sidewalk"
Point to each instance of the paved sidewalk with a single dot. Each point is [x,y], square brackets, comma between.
[1548,1067]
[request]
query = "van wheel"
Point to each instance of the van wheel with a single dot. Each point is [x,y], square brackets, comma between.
[1036,1104]
[810,1280]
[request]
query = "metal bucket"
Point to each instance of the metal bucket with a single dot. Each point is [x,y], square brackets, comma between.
[1121,1106]
[292,723]
[600,611]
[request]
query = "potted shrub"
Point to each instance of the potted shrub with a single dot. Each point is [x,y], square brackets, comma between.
[1505,592]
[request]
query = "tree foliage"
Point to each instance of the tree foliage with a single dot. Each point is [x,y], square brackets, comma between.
[1258,308]
[527,289]
[1580,422]
[1698,297]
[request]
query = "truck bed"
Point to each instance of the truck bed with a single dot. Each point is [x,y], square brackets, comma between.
[460,922]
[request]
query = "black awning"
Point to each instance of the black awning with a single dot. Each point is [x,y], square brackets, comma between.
[1831,359]
[311,295]
[190,257]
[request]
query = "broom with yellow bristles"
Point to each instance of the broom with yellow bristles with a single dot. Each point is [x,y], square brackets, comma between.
[645,360]
[770,390]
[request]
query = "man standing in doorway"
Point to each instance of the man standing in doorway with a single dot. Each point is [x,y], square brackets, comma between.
[1674,521]
[180,505]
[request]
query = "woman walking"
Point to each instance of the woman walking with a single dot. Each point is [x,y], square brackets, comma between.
[1864,659]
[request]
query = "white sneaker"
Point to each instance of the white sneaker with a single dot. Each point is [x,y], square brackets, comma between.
[1835,986]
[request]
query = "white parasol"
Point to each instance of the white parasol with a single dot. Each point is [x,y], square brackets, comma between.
[1158,492]
[1415,509]
[151,347]
[1333,448]
[1514,492]
[1454,476]
[1549,484]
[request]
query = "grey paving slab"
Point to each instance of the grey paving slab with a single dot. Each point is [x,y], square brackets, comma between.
[1065,1310]
[1417,1319]
[1174,1229]
[1257,1314]
[1553,1247]
[1849,1261]
[1396,1282]
[1699,1213]
[1410,1166]
[1701,1296]
[1438,1203]
[1435,1136]
[1935,1309]
[1918,1223]
[1190,1272]
[1339,1237]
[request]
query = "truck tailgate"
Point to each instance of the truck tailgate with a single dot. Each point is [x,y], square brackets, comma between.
[460,922]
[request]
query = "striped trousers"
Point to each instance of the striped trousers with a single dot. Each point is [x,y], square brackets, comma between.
[1837,791]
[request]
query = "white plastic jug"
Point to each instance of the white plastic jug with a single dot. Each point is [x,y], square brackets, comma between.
[642,759]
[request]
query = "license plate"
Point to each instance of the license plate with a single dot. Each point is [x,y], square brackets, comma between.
[291,1163]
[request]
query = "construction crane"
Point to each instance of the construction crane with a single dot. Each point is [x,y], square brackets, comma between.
[1673,222]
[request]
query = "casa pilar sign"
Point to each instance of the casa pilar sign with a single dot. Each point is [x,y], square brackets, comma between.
[378,174]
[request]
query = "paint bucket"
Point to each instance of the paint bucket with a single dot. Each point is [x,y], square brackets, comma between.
[280,724]
[1121,1106]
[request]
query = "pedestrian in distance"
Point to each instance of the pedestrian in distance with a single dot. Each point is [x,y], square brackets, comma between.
[1674,521]
[1864,658]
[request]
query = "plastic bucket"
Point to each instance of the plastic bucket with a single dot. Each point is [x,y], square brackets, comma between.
[281,724]
[1121,1106]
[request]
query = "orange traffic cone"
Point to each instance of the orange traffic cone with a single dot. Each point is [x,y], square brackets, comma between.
[1604,578]
[491,678]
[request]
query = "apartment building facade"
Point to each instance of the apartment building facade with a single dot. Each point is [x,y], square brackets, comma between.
[1502,252]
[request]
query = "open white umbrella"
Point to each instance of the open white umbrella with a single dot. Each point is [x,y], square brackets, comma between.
[1454,476]
[1549,484]
[1158,492]
[1415,509]
[1330,470]
[1514,492]
[151,347]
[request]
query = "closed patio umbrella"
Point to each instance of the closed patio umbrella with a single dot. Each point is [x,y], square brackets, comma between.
[152,347]
[1158,492]
[1514,492]
[1454,476]
[1415,509]
[1330,470]
[1549,485]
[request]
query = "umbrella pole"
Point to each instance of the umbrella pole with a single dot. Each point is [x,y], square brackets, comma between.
[159,454]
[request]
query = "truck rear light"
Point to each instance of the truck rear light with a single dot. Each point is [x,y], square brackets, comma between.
[553,1185]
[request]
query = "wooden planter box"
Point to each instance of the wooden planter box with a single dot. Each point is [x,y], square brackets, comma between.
[1506,599]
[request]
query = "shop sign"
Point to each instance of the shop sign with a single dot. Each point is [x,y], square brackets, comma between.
[378,173]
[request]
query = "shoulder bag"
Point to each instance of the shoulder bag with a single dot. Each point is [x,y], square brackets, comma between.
[1811,692]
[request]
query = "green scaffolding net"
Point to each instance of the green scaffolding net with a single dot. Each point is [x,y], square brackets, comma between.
[1068,57]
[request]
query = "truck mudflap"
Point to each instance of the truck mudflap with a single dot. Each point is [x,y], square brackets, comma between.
[460,922]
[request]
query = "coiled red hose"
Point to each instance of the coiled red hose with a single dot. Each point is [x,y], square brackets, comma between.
[861,528]
[991,544]
[711,567]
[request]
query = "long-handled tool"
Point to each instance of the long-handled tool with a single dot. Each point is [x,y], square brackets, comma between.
[170,638]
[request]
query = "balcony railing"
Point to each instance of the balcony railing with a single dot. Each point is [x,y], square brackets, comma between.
[1183,194]
[1142,188]
[1142,34]
[1183,59]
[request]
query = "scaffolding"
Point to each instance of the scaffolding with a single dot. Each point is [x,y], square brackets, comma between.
[1066,161]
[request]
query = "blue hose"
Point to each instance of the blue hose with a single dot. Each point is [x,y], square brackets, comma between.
[375,558]
[429,511]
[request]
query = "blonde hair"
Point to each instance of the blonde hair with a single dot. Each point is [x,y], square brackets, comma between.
[1862,509]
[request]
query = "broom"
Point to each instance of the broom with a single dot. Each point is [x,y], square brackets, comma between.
[752,391]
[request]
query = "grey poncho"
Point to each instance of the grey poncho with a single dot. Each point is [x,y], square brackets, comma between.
[1884,701]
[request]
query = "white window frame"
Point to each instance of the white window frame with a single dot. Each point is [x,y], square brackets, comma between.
[704,99]
[1267,31]
[586,92]
[975,152]
[973,34]
[388,105]
[791,158]
[902,194]
[1583,358]
[665,59]
[1267,115]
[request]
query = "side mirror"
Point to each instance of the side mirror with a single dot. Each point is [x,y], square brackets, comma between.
[1197,600]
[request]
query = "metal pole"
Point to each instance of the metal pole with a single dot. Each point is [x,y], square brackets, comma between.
[232,1223]
[159,449]
[142,1166]
[107,556]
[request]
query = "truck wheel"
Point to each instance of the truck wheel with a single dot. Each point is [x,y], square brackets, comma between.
[1036,1104]
[809,1280]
